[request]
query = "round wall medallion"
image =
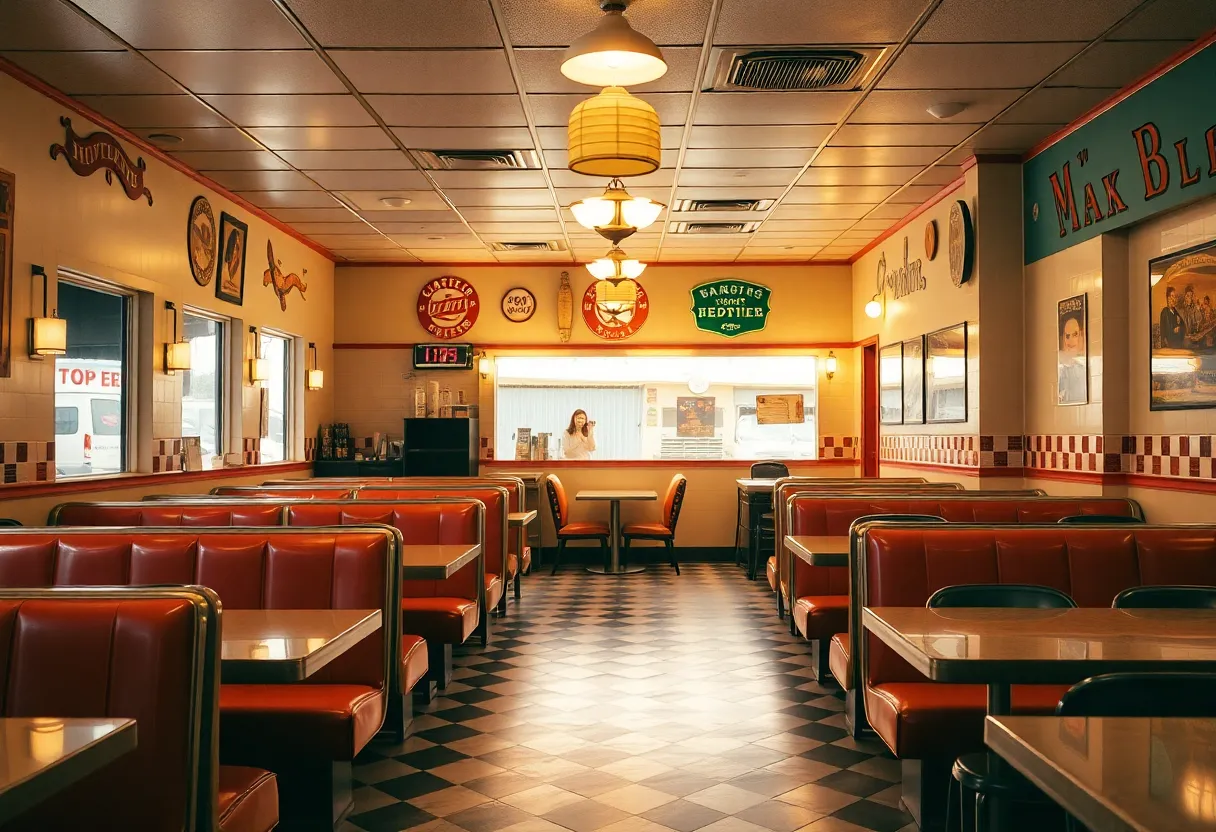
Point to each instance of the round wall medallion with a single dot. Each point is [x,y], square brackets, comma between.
[930,239]
[615,321]
[448,307]
[200,241]
[518,305]
[962,243]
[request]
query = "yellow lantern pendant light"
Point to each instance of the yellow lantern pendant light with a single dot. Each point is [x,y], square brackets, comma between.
[613,53]
[616,215]
[614,134]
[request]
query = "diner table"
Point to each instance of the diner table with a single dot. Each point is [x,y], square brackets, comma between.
[819,550]
[436,562]
[45,755]
[281,646]
[757,495]
[520,520]
[1116,773]
[614,498]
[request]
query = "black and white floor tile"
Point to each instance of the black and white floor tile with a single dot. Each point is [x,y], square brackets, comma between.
[644,703]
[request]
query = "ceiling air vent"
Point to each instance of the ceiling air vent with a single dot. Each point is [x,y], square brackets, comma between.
[685,205]
[715,227]
[552,245]
[477,159]
[786,69]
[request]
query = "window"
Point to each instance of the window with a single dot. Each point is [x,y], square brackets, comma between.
[276,350]
[654,406]
[203,383]
[90,380]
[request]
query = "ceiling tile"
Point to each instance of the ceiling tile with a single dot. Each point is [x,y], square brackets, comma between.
[301,215]
[249,73]
[666,22]
[774,135]
[815,195]
[795,227]
[292,110]
[261,180]
[1117,63]
[940,175]
[391,23]
[207,138]
[439,241]
[136,112]
[728,193]
[767,157]
[347,159]
[737,177]
[230,160]
[1022,20]
[353,226]
[889,156]
[916,194]
[772,107]
[533,256]
[822,21]
[511,230]
[446,227]
[369,180]
[490,178]
[37,24]
[322,138]
[944,66]
[558,160]
[427,71]
[501,198]
[902,134]
[354,242]
[910,106]
[842,211]
[715,216]
[1012,138]
[874,225]
[554,138]
[465,138]
[185,24]
[859,175]
[554,110]
[1055,105]
[890,211]
[368,202]
[454,255]
[393,256]
[1169,20]
[390,217]
[449,110]
[541,72]
[510,214]
[95,73]
[289,199]
[562,178]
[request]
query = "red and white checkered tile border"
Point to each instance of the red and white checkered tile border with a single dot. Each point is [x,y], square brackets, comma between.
[955,450]
[251,449]
[310,448]
[27,462]
[1092,453]
[166,455]
[839,447]
[1185,457]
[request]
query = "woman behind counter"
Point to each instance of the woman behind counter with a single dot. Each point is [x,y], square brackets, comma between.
[579,439]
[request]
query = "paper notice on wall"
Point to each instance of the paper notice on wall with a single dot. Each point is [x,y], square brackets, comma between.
[523,443]
[192,453]
[780,410]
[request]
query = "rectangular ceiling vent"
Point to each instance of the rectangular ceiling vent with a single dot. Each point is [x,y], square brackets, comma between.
[715,227]
[551,245]
[686,205]
[477,159]
[792,69]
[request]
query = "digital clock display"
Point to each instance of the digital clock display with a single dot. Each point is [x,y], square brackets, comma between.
[443,356]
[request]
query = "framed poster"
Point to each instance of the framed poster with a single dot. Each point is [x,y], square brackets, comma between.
[1182,329]
[891,385]
[914,380]
[946,375]
[695,416]
[1072,356]
[234,243]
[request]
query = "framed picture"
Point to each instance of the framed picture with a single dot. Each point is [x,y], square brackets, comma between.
[1182,329]
[891,384]
[914,380]
[695,416]
[946,375]
[1072,351]
[234,244]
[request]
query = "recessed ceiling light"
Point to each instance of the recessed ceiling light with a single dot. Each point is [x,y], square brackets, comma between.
[164,138]
[394,201]
[947,109]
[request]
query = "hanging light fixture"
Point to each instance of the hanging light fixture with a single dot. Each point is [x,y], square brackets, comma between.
[616,215]
[613,53]
[177,353]
[614,134]
[616,265]
[314,379]
[48,334]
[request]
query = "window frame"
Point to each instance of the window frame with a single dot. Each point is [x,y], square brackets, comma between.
[223,368]
[289,401]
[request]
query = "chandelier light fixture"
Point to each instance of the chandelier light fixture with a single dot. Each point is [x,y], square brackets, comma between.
[614,134]
[616,266]
[613,53]
[616,215]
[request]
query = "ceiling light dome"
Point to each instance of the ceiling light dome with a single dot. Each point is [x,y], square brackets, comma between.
[614,134]
[613,54]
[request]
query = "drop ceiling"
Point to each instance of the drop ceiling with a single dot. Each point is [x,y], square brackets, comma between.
[308,108]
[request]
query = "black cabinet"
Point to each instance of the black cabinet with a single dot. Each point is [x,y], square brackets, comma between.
[350,468]
[441,447]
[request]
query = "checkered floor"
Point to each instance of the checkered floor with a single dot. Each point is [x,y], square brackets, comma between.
[644,703]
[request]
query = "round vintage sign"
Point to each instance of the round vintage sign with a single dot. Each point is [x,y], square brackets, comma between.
[448,307]
[930,239]
[617,320]
[200,241]
[962,243]
[518,305]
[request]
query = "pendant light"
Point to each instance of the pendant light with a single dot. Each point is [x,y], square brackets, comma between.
[614,134]
[259,368]
[613,53]
[616,265]
[616,215]
[314,379]
[177,353]
[49,333]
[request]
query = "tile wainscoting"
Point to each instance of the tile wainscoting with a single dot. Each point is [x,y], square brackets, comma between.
[953,450]
[839,447]
[166,455]
[27,462]
[251,450]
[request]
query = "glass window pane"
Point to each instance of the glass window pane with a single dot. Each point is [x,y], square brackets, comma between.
[67,420]
[202,384]
[276,351]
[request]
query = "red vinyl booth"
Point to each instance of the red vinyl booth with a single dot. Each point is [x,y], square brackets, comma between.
[149,654]
[207,512]
[302,492]
[307,732]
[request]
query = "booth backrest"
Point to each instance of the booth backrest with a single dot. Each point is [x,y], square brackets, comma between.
[201,513]
[516,494]
[903,565]
[146,654]
[298,492]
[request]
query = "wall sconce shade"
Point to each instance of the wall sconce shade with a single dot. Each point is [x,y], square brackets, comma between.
[874,307]
[259,368]
[48,334]
[177,353]
[829,365]
[314,379]
[485,365]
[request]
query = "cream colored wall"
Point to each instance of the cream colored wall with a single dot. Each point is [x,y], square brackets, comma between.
[64,221]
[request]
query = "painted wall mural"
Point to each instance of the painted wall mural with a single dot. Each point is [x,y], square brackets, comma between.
[281,283]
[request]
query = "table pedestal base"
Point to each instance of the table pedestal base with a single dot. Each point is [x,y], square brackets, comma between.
[620,570]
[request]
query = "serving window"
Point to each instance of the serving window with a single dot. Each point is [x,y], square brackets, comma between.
[660,407]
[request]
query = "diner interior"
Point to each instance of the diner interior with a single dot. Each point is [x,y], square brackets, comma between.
[604,416]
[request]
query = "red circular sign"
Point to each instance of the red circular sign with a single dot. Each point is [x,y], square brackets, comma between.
[448,307]
[615,320]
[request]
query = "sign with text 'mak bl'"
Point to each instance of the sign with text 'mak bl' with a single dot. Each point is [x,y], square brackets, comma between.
[1151,152]
[730,307]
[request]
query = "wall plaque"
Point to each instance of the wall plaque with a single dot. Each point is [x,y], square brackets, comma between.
[448,307]
[615,312]
[101,151]
[962,243]
[518,305]
[730,307]
[200,241]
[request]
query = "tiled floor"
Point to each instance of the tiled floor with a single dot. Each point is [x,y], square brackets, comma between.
[643,703]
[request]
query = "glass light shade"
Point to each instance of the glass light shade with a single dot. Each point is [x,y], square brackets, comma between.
[641,212]
[602,268]
[593,212]
[259,369]
[485,366]
[613,53]
[177,356]
[614,134]
[314,379]
[632,268]
[829,365]
[48,336]
[873,308]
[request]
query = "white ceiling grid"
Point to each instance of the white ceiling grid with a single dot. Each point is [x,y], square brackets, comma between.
[309,108]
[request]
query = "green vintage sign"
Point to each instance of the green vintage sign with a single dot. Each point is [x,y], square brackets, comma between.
[730,307]
[1151,152]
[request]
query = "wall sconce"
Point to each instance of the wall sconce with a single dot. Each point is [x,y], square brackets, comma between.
[314,379]
[485,365]
[259,368]
[48,334]
[829,365]
[874,307]
[177,353]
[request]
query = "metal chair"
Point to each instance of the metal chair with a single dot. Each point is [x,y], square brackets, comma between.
[7,521]
[1098,519]
[769,469]
[1142,694]
[559,505]
[1167,597]
[664,531]
[1020,596]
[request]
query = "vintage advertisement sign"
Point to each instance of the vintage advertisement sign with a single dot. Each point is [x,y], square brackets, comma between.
[615,313]
[1151,152]
[695,417]
[101,151]
[730,307]
[780,410]
[448,307]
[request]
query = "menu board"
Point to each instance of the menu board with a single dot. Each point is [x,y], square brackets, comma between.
[780,410]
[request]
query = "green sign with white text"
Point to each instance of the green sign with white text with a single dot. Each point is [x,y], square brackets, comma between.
[730,307]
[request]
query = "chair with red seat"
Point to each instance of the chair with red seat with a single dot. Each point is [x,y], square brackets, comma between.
[559,505]
[665,530]
[148,654]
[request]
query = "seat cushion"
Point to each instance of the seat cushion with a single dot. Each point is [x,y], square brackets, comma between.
[918,720]
[414,661]
[249,800]
[770,571]
[493,590]
[259,722]
[838,660]
[512,566]
[651,529]
[821,616]
[527,559]
[441,620]
[589,529]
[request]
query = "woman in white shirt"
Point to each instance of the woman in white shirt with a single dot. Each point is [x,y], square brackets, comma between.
[579,439]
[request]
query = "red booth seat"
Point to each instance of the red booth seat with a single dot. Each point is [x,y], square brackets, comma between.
[287,492]
[202,513]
